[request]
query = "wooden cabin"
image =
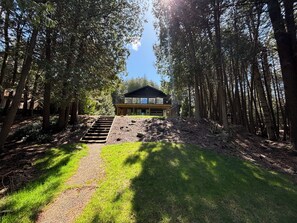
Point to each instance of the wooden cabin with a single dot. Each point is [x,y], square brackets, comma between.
[145,101]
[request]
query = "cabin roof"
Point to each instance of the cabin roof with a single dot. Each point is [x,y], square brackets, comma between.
[146,92]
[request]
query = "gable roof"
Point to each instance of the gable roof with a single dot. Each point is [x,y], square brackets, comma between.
[146,92]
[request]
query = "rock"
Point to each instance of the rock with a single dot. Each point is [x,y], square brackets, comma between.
[27,166]
[79,147]
[140,135]
[160,129]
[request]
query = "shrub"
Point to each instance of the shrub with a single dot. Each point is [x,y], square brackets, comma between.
[31,133]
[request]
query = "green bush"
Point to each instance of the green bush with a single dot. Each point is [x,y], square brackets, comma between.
[99,105]
[89,106]
[31,133]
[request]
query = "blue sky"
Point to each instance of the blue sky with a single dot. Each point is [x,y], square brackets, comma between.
[142,58]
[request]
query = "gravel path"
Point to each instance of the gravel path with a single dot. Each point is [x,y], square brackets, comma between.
[67,206]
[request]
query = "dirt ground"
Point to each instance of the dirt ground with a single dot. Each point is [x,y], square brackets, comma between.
[237,142]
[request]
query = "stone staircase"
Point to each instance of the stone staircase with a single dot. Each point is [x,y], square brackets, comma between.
[99,131]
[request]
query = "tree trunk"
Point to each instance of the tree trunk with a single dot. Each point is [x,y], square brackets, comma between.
[250,93]
[16,54]
[32,102]
[47,85]
[190,102]
[291,26]
[264,104]
[64,108]
[25,104]
[267,81]
[6,41]
[18,95]
[8,102]
[62,116]
[285,46]
[197,108]
[67,113]
[74,113]
[219,64]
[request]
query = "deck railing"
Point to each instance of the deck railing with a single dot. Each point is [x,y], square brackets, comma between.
[156,101]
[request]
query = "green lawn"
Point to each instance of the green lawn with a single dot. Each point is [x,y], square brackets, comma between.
[57,166]
[162,182]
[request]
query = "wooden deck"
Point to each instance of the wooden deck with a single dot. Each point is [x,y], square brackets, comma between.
[154,109]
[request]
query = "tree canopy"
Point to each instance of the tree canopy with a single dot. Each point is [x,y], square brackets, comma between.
[55,52]
[235,61]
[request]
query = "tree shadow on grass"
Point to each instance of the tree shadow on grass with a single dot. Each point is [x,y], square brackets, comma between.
[42,190]
[181,183]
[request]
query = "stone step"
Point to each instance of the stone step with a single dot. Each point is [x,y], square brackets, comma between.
[94,137]
[99,130]
[105,119]
[99,120]
[97,134]
[105,125]
[101,124]
[101,127]
[93,141]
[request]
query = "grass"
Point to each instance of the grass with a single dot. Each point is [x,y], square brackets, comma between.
[162,182]
[56,167]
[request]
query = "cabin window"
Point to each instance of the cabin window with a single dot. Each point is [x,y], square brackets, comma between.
[152,101]
[143,100]
[159,101]
[136,100]
[128,100]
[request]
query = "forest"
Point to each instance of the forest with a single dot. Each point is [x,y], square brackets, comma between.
[232,61]
[57,53]
[214,140]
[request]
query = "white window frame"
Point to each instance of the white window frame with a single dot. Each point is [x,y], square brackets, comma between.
[128,100]
[145,100]
[154,100]
[158,101]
